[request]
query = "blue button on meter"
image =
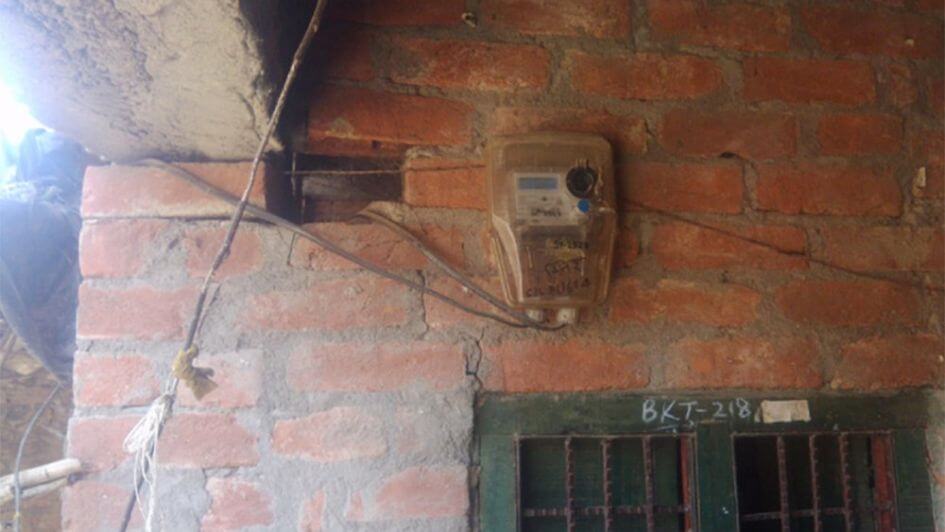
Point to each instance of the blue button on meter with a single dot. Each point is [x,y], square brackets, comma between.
[584,205]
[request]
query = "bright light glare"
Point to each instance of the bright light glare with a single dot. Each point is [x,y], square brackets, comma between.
[15,118]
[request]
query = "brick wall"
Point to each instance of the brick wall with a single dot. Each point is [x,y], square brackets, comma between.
[776,233]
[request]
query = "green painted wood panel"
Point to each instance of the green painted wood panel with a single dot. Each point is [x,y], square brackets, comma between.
[913,490]
[497,492]
[714,419]
[715,477]
[628,414]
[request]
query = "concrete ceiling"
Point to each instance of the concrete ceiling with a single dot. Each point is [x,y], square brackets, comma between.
[137,78]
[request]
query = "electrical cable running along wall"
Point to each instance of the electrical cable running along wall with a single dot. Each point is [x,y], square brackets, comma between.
[790,144]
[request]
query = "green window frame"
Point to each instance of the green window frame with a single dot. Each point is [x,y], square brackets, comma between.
[714,421]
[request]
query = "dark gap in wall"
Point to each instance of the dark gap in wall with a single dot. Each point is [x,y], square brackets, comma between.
[326,54]
[336,188]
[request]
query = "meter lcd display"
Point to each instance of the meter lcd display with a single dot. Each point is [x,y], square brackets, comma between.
[537,183]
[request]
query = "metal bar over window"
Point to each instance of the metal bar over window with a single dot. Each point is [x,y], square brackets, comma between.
[608,485]
[814,487]
[843,444]
[836,493]
[636,453]
[783,487]
[569,484]
[648,483]
[686,480]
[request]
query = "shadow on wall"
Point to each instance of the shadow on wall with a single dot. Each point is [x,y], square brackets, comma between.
[39,276]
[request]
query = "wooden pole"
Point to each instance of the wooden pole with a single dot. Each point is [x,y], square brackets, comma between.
[39,475]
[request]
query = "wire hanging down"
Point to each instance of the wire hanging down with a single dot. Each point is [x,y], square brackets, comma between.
[143,438]
[17,489]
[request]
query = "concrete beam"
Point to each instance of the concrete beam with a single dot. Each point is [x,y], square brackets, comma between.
[138,78]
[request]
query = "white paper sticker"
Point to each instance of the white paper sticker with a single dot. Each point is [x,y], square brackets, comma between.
[784,411]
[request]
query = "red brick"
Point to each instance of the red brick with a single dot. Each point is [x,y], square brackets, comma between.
[808,80]
[644,76]
[848,303]
[312,512]
[627,134]
[423,492]
[839,190]
[207,441]
[669,300]
[91,506]
[900,85]
[140,312]
[452,64]
[681,187]
[626,247]
[848,30]
[337,147]
[743,363]
[737,26]
[860,134]
[377,244]
[747,134]
[97,441]
[937,95]
[354,302]
[902,248]
[441,315]
[890,363]
[445,182]
[203,243]
[117,248]
[368,367]
[595,18]
[343,52]
[400,12]
[367,115]
[927,146]
[126,380]
[684,246]
[930,5]
[236,504]
[238,375]
[570,366]
[139,191]
[339,434]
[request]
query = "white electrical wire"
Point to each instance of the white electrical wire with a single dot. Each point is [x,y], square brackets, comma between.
[142,442]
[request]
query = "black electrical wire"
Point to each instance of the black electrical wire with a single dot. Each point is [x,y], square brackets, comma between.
[455,274]
[17,490]
[525,321]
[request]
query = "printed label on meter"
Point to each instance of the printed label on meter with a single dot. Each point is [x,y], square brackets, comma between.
[540,199]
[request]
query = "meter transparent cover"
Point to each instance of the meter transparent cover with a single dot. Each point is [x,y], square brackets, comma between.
[552,205]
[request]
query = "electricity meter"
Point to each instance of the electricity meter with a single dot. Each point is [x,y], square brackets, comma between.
[551,201]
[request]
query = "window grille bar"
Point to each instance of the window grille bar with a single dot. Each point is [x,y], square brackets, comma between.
[648,483]
[686,481]
[843,444]
[774,516]
[572,512]
[884,507]
[569,484]
[608,485]
[783,487]
[814,488]
[590,511]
